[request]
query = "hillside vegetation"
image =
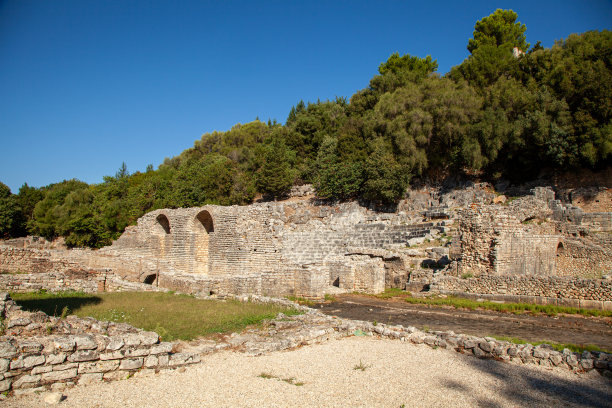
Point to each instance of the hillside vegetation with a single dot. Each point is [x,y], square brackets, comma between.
[495,115]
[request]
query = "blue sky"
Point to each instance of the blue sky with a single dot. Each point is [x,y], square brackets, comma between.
[86,85]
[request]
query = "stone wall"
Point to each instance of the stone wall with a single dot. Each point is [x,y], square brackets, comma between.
[573,292]
[38,352]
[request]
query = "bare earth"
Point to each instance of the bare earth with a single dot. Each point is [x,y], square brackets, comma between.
[574,329]
[396,373]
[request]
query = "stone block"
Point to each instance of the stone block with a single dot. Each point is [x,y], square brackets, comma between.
[115,344]
[148,338]
[56,358]
[59,375]
[151,361]
[29,347]
[28,391]
[5,385]
[7,350]
[65,343]
[116,375]
[85,342]
[115,355]
[131,363]
[27,381]
[98,366]
[42,369]
[84,355]
[67,366]
[139,352]
[161,348]
[4,365]
[32,361]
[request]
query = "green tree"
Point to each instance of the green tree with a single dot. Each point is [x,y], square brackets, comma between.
[9,212]
[275,177]
[336,178]
[385,179]
[499,29]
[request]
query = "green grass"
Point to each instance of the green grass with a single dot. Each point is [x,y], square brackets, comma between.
[290,380]
[557,346]
[507,307]
[171,316]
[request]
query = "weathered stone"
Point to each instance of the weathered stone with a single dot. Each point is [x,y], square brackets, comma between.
[139,352]
[4,364]
[148,338]
[469,344]
[85,342]
[53,398]
[485,346]
[42,369]
[17,363]
[67,366]
[115,344]
[131,363]
[28,391]
[5,385]
[540,352]
[32,361]
[84,355]
[7,350]
[116,375]
[555,358]
[21,321]
[65,343]
[29,346]
[151,361]
[183,358]
[586,363]
[98,366]
[161,348]
[571,360]
[115,355]
[90,378]
[27,381]
[56,358]
[59,375]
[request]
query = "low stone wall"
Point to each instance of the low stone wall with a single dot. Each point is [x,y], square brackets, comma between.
[71,280]
[39,352]
[488,347]
[574,292]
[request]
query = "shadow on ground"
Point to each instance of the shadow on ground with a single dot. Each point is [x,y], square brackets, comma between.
[531,388]
[55,306]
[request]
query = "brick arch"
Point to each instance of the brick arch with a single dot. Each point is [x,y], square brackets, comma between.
[204,227]
[205,220]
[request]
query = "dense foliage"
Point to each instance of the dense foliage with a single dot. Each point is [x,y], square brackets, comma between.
[496,114]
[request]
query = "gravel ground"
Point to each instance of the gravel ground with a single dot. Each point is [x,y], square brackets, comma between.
[394,374]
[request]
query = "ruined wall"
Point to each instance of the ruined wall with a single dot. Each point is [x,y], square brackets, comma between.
[39,352]
[574,292]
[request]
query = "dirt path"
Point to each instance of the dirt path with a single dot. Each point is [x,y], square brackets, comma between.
[561,329]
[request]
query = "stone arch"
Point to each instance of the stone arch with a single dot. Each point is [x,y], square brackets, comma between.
[163,224]
[204,226]
[206,221]
[560,249]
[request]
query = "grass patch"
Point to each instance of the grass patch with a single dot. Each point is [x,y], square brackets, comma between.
[557,346]
[517,308]
[171,316]
[330,298]
[392,293]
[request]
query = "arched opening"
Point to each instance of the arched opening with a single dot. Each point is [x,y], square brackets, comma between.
[204,226]
[206,221]
[150,279]
[336,282]
[163,223]
[560,249]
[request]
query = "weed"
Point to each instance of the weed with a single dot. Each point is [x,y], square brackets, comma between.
[49,328]
[426,329]
[2,326]
[361,366]
[375,323]
[467,275]
[393,292]
[289,380]
[65,311]
[301,300]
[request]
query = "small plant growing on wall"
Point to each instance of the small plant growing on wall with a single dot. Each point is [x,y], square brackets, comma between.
[467,275]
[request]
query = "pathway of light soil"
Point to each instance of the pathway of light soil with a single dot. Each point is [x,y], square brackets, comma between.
[561,329]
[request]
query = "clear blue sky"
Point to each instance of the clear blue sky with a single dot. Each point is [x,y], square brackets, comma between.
[88,84]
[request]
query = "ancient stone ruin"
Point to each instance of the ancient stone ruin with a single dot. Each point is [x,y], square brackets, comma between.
[467,239]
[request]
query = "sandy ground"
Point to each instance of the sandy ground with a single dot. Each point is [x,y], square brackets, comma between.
[395,374]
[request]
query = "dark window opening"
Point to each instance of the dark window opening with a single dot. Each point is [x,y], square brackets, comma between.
[336,282]
[206,220]
[150,279]
[163,221]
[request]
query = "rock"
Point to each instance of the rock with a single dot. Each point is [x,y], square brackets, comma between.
[486,346]
[90,378]
[18,322]
[5,385]
[85,342]
[7,350]
[53,398]
[131,363]
[84,355]
[501,199]
[59,375]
